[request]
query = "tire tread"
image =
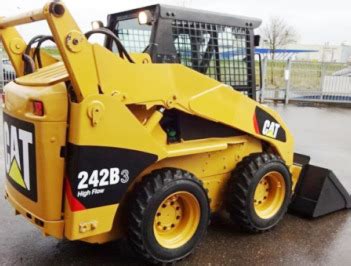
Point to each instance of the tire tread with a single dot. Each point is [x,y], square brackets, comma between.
[240,182]
[143,193]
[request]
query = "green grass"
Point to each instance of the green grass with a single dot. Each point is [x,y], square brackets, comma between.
[52,51]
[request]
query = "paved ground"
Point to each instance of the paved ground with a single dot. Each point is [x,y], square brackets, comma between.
[324,133]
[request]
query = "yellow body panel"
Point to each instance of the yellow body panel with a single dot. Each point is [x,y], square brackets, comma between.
[84,224]
[49,228]
[295,171]
[50,137]
[49,140]
[212,167]
[176,86]
[116,104]
[111,127]
[46,76]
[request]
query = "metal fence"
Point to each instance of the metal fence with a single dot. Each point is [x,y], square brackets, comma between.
[7,72]
[306,82]
[282,81]
[6,77]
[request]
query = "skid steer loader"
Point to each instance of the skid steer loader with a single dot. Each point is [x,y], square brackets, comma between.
[106,144]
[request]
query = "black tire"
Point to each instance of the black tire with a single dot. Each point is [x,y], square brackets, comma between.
[145,201]
[242,186]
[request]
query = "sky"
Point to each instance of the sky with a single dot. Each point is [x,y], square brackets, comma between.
[316,22]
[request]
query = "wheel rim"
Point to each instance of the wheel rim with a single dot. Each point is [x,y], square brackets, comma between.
[269,195]
[176,220]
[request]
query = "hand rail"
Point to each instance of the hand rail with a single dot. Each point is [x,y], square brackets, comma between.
[24,18]
[71,42]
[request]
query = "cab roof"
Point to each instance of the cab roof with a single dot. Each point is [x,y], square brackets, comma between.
[196,15]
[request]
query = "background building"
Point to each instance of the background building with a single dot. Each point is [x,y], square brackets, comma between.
[310,52]
[326,53]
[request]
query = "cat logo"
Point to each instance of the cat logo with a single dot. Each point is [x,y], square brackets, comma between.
[265,124]
[270,129]
[20,155]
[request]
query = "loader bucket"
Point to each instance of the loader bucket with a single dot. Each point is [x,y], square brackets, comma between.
[318,192]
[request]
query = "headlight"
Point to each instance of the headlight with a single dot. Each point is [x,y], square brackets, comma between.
[145,17]
[97,24]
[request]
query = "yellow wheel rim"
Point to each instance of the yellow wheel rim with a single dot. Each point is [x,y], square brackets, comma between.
[176,220]
[269,195]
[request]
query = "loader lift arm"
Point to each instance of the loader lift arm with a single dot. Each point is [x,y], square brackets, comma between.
[14,46]
[22,55]
[73,45]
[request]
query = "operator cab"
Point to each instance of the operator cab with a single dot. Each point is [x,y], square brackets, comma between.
[218,45]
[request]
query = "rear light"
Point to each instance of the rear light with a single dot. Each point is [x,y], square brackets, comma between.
[38,108]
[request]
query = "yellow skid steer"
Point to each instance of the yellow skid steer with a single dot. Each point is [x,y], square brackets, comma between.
[107,142]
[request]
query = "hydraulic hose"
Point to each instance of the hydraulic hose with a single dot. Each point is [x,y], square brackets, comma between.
[29,62]
[36,53]
[121,50]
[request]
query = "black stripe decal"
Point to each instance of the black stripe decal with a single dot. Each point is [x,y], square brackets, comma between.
[100,176]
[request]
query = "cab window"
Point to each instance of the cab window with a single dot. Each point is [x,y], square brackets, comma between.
[134,37]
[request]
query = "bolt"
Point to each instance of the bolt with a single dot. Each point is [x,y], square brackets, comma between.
[178,217]
[165,228]
[75,41]
[159,223]
[164,205]
[178,208]
[172,225]
[93,226]
[158,214]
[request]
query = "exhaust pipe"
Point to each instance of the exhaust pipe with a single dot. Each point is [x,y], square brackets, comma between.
[318,191]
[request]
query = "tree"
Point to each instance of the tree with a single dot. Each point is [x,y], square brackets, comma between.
[277,34]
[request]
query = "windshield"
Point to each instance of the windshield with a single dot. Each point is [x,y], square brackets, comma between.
[134,37]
